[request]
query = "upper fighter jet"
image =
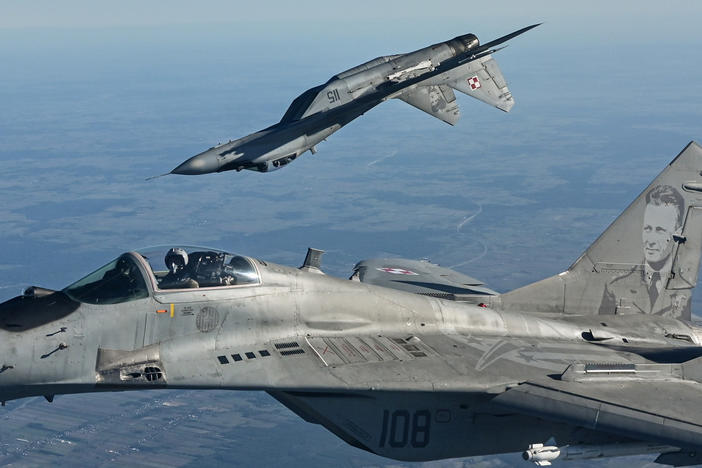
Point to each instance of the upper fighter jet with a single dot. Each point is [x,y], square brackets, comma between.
[425,79]
[405,359]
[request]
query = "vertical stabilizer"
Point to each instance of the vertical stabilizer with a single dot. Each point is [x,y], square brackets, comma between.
[647,260]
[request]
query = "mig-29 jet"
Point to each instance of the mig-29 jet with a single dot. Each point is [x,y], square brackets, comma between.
[404,359]
[424,78]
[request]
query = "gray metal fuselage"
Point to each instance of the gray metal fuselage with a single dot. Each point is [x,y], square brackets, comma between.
[358,93]
[321,111]
[272,336]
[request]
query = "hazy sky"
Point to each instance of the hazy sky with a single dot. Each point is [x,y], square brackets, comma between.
[96,90]
[592,21]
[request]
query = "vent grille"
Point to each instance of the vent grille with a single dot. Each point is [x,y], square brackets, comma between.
[152,373]
[287,345]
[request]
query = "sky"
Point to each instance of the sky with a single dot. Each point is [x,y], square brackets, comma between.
[593,22]
[96,97]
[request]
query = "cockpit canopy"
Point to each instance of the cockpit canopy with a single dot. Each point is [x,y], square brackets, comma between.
[120,280]
[125,278]
[200,267]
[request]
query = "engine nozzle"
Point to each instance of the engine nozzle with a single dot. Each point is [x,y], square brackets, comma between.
[460,44]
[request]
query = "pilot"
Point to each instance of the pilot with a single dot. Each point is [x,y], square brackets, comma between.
[178,276]
[122,277]
[120,283]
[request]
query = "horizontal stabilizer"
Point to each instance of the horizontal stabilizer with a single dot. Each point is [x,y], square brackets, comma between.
[419,277]
[438,100]
[483,80]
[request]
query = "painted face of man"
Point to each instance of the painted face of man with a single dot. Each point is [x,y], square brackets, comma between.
[660,222]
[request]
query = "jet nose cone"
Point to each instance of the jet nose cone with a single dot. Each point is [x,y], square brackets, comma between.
[203,163]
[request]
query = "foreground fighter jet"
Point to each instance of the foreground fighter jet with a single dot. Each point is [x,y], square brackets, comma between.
[424,78]
[405,359]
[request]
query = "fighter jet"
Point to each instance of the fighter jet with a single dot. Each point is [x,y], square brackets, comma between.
[405,359]
[424,79]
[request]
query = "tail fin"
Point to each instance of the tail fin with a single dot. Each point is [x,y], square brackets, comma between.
[483,80]
[647,260]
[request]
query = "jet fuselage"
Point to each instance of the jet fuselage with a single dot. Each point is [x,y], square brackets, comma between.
[322,110]
[276,334]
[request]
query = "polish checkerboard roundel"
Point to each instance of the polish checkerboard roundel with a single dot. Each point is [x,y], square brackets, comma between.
[474,82]
[397,271]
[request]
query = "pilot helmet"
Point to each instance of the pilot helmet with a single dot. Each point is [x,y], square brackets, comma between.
[123,265]
[176,259]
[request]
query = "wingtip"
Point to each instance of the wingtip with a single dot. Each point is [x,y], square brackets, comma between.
[509,36]
[528,28]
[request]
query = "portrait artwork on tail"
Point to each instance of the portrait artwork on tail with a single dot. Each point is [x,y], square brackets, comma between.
[644,288]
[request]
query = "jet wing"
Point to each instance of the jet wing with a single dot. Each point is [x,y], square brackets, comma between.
[419,277]
[354,360]
[483,80]
[663,411]
[347,381]
[438,101]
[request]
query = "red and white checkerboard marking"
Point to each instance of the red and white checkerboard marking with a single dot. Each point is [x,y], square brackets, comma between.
[474,82]
[397,271]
